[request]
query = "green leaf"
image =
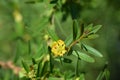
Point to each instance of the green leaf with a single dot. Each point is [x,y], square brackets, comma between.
[82,77]
[75,30]
[25,66]
[68,40]
[39,69]
[51,59]
[84,56]
[92,30]
[44,68]
[96,28]
[92,36]
[93,51]
[104,74]
[53,34]
[107,74]
[33,61]
[83,47]
[82,29]
[89,27]
[100,76]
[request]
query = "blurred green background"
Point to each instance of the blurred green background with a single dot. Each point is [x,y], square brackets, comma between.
[23,26]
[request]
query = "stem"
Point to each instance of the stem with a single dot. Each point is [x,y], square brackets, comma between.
[77,65]
[76,41]
[61,61]
[51,64]
[51,60]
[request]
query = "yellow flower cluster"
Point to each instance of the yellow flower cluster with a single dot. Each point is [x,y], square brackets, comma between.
[58,48]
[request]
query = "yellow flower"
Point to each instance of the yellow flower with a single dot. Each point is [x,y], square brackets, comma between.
[58,48]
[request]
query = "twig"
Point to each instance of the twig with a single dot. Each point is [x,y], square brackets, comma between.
[10,65]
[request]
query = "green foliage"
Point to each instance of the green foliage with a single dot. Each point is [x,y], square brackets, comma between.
[84,57]
[104,74]
[75,29]
[68,40]
[93,51]
[53,35]
[82,77]
[26,67]
[41,23]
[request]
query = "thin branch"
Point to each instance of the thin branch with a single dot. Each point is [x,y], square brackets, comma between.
[10,65]
[76,41]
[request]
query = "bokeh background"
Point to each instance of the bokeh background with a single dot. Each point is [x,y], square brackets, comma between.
[24,24]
